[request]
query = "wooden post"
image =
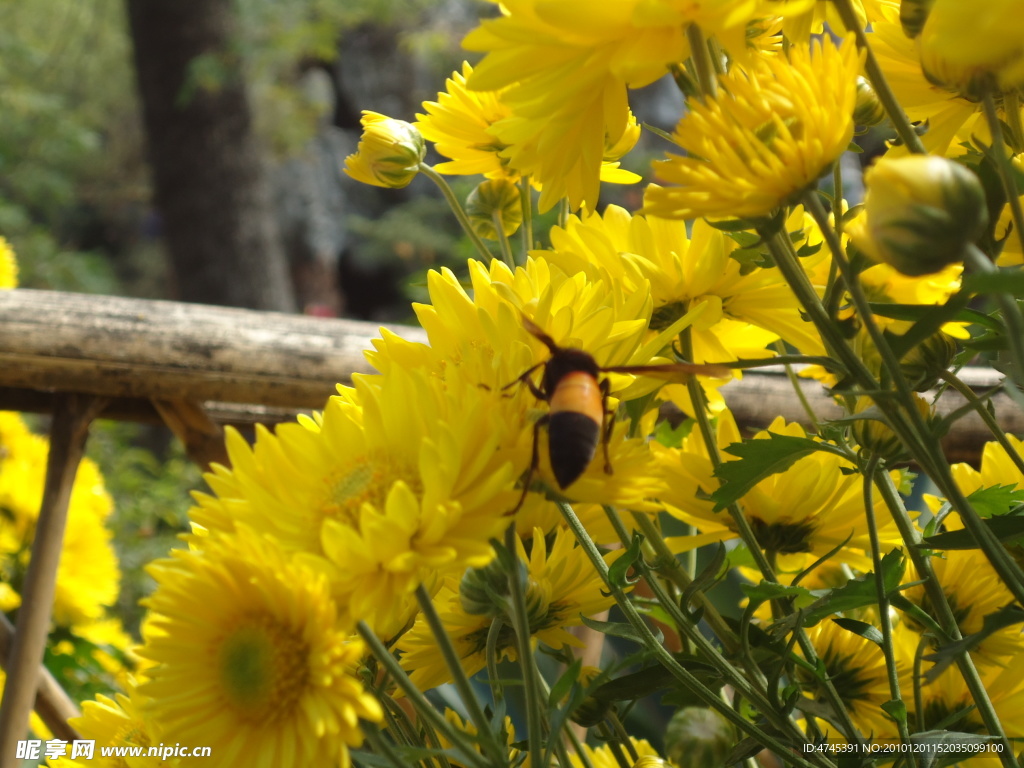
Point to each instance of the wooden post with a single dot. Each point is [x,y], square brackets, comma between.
[68,434]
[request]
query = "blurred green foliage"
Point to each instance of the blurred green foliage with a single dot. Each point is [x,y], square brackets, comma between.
[149,477]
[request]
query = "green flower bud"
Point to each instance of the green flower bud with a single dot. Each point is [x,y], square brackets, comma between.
[875,436]
[913,15]
[868,110]
[389,153]
[699,738]
[925,361]
[495,201]
[486,591]
[920,212]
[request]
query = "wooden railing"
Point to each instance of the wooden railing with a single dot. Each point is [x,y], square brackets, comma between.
[198,368]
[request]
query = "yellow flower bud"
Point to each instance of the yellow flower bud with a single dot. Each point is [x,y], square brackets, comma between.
[699,737]
[495,199]
[966,44]
[868,110]
[650,761]
[920,212]
[389,152]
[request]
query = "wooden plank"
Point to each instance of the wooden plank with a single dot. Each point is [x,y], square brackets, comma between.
[137,348]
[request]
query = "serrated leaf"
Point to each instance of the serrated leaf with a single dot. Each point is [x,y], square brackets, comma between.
[996,500]
[759,459]
[856,593]
[861,629]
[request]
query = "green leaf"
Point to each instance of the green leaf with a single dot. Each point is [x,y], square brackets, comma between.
[617,571]
[856,593]
[861,629]
[760,459]
[565,683]
[1007,528]
[748,747]
[897,710]
[619,629]
[918,312]
[947,654]
[996,500]
[940,747]
[672,437]
[1003,281]
[770,590]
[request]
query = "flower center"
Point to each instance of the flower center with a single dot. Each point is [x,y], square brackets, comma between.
[365,481]
[264,669]
[782,537]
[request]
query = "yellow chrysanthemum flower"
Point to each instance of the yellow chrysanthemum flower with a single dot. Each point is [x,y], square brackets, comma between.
[948,696]
[399,479]
[566,65]
[974,591]
[604,756]
[773,129]
[389,153]
[461,125]
[976,41]
[88,577]
[857,669]
[739,313]
[482,340]
[938,92]
[8,266]
[800,514]
[562,586]
[250,658]
[120,721]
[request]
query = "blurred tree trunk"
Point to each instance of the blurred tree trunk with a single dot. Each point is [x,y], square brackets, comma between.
[208,177]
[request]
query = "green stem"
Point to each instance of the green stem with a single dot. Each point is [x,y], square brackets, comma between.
[667,660]
[906,420]
[623,735]
[874,72]
[457,209]
[491,655]
[979,262]
[946,618]
[467,695]
[456,738]
[794,381]
[669,566]
[701,58]
[521,624]
[986,416]
[883,598]
[503,244]
[1011,108]
[526,203]
[382,747]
